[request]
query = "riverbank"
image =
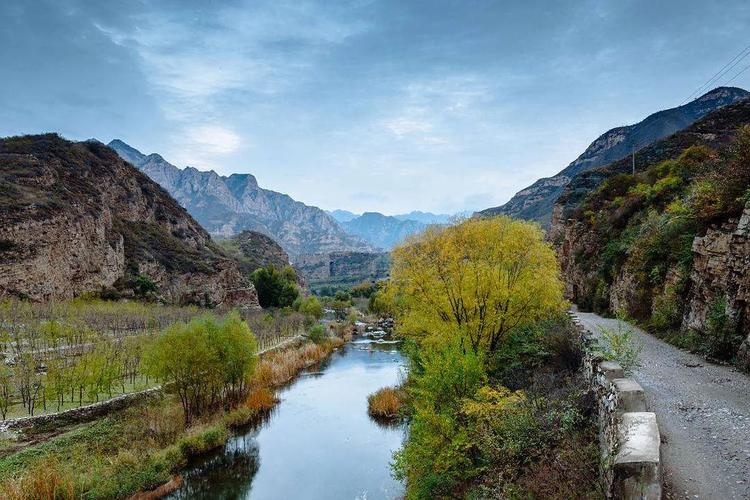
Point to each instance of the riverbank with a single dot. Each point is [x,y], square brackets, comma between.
[144,446]
[318,443]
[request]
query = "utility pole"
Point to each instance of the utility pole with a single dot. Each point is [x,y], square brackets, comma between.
[634,160]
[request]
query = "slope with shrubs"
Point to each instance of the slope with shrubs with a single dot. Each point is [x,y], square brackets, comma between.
[658,244]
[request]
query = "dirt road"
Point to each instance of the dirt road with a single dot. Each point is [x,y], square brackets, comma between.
[703,412]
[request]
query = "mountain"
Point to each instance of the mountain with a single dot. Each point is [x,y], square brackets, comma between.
[342,215]
[536,201]
[425,217]
[380,230]
[75,218]
[228,205]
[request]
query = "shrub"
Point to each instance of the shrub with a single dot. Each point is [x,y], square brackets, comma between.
[203,440]
[435,458]
[385,403]
[722,338]
[310,306]
[317,334]
[617,344]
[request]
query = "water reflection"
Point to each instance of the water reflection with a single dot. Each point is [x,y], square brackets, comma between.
[319,443]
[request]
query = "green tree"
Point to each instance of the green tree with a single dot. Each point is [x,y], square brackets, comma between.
[437,455]
[209,361]
[276,288]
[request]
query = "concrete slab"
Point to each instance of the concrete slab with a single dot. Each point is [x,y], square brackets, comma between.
[611,370]
[630,395]
[639,438]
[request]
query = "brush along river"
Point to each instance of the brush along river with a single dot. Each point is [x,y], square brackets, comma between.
[319,442]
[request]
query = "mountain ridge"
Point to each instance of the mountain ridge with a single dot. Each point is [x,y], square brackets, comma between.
[227,205]
[536,201]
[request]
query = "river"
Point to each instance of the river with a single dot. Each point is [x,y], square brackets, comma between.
[318,443]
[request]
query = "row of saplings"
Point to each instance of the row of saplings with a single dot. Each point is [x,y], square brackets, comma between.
[211,364]
[494,398]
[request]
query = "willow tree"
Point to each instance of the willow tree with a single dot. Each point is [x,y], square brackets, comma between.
[475,281]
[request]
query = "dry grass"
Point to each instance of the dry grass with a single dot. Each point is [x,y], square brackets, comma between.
[279,368]
[260,399]
[385,403]
[46,481]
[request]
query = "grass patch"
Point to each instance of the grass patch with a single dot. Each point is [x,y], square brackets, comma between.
[385,403]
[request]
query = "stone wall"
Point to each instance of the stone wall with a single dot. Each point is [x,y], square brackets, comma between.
[628,434]
[721,268]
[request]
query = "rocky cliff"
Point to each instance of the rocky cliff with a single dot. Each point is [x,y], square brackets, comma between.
[536,202]
[253,250]
[668,245]
[339,269]
[228,205]
[75,218]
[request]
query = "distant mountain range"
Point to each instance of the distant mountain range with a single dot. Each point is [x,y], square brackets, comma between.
[536,201]
[226,206]
[386,231]
[416,215]
[382,231]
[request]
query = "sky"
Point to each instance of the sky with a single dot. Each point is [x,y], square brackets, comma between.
[364,105]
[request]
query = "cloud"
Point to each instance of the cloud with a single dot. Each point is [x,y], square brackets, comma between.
[213,139]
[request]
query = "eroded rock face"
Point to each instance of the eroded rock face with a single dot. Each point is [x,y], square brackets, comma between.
[76,218]
[344,267]
[721,267]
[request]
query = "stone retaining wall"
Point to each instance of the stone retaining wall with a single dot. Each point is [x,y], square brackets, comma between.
[628,433]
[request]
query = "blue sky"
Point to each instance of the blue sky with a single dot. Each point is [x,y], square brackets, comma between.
[387,105]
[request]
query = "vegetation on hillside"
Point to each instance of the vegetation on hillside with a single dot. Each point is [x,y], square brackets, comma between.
[645,224]
[494,397]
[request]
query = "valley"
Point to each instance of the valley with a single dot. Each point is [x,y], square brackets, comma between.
[261,250]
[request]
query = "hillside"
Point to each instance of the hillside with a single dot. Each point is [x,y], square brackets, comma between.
[668,245]
[343,269]
[536,201]
[228,205]
[381,231]
[75,218]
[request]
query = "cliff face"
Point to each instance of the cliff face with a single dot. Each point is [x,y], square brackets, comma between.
[721,269]
[343,268]
[668,245]
[228,205]
[536,201]
[75,218]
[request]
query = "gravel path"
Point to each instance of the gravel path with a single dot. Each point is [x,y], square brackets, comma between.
[703,412]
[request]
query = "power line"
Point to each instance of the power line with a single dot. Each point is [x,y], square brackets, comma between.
[723,71]
[738,74]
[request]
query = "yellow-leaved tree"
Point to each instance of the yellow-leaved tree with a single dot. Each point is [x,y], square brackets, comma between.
[474,281]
